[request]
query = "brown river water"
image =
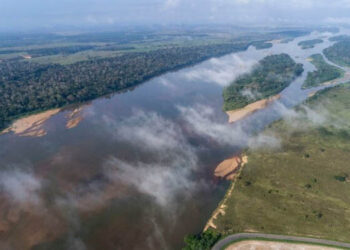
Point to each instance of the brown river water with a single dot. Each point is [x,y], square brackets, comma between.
[135,171]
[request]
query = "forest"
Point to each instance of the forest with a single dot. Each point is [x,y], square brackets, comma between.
[339,38]
[339,53]
[309,44]
[262,45]
[271,75]
[324,72]
[28,87]
[44,71]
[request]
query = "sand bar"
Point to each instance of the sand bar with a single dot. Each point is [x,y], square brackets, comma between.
[32,125]
[228,168]
[238,114]
[75,117]
[222,206]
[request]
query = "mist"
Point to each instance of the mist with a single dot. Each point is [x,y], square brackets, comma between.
[157,146]
[40,14]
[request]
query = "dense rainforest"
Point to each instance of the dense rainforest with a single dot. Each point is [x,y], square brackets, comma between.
[339,53]
[43,71]
[271,75]
[29,87]
[262,45]
[309,44]
[324,72]
[339,38]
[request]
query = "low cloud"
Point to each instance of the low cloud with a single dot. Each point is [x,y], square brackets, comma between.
[173,158]
[166,83]
[221,71]
[250,94]
[148,129]
[162,182]
[76,244]
[337,20]
[202,120]
[304,116]
[156,237]
[170,4]
[264,141]
[21,187]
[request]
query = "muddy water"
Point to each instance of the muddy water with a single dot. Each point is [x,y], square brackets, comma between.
[137,172]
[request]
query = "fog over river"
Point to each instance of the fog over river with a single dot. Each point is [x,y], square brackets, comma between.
[137,171]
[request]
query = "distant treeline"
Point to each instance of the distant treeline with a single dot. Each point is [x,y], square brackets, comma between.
[339,38]
[339,53]
[28,87]
[324,72]
[65,50]
[262,45]
[268,78]
[309,43]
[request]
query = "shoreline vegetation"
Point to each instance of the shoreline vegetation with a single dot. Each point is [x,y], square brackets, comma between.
[238,114]
[309,44]
[300,189]
[262,45]
[98,66]
[232,169]
[32,87]
[339,53]
[254,91]
[324,73]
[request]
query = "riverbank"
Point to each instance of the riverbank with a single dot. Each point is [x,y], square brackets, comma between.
[229,169]
[32,125]
[238,114]
[301,188]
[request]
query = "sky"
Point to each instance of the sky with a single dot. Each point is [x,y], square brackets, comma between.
[31,14]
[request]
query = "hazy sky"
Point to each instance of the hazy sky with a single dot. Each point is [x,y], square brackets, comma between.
[47,13]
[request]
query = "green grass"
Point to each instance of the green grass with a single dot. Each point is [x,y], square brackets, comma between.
[324,72]
[293,190]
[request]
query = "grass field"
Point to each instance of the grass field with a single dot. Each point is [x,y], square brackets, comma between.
[301,188]
[324,72]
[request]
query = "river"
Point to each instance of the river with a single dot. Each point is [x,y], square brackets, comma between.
[137,171]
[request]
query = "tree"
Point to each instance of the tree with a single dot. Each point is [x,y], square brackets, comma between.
[202,241]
